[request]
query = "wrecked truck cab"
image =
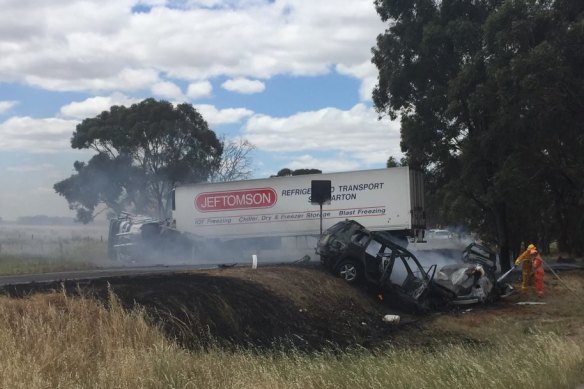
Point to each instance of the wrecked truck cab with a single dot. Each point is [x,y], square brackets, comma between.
[360,256]
[135,238]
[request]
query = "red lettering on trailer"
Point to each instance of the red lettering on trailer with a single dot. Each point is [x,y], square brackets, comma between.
[236,199]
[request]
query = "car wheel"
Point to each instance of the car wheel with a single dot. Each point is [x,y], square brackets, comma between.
[349,271]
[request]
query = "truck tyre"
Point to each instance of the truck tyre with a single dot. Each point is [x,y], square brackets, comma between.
[350,271]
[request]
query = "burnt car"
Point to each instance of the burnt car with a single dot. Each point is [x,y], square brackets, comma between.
[373,258]
[360,256]
[474,280]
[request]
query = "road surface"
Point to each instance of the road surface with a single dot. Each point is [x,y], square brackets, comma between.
[99,273]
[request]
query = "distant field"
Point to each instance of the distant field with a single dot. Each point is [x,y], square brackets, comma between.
[32,249]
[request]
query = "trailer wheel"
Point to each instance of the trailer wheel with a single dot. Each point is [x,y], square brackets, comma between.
[350,271]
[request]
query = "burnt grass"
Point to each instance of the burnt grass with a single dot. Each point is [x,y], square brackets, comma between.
[275,308]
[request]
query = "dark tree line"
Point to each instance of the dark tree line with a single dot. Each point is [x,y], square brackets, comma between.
[285,172]
[490,95]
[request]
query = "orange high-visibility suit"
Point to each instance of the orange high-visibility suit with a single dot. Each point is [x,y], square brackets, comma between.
[538,273]
[526,267]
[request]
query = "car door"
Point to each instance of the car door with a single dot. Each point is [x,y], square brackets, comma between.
[402,273]
[372,258]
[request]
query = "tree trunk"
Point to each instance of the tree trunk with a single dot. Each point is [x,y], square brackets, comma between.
[563,241]
[160,206]
[502,236]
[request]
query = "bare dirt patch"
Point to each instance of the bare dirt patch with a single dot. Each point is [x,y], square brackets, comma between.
[561,313]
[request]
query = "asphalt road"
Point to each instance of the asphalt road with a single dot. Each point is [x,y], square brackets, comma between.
[166,269]
[99,273]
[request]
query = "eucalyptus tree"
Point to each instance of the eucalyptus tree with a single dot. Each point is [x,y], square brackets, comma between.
[490,95]
[143,151]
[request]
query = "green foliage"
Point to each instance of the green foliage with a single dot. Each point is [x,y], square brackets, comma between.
[392,162]
[298,172]
[491,100]
[142,152]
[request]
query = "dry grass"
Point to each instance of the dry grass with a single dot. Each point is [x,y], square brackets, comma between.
[56,341]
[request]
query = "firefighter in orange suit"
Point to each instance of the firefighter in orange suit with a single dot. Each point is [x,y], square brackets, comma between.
[538,273]
[525,259]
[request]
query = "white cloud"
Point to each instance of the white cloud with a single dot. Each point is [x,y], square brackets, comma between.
[243,85]
[43,190]
[203,3]
[36,135]
[366,72]
[215,116]
[127,79]
[104,46]
[95,105]
[199,89]
[338,164]
[43,167]
[356,132]
[152,3]
[6,105]
[101,47]
[238,4]
[168,90]
[34,202]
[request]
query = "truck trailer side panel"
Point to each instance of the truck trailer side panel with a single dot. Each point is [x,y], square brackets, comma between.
[381,199]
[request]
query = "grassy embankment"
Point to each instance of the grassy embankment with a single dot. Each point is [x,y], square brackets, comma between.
[51,341]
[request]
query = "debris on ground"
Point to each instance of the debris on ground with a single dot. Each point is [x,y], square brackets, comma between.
[305,259]
[226,265]
[392,319]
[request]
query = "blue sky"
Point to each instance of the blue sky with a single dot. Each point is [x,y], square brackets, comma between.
[293,77]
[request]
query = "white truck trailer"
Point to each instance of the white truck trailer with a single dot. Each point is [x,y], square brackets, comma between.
[273,217]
